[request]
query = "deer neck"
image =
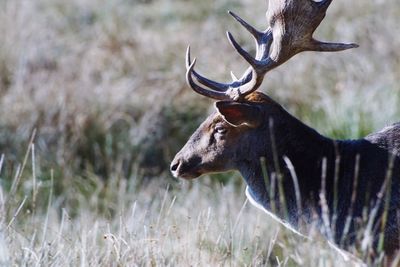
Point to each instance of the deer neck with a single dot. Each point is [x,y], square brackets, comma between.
[286,137]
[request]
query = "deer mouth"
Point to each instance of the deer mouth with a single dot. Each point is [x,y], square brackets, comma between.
[190,176]
[186,170]
[187,175]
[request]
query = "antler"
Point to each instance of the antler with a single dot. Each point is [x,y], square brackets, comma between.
[292,24]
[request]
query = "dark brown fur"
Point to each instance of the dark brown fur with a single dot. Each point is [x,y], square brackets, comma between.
[220,145]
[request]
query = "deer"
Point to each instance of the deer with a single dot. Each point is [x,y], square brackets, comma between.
[292,171]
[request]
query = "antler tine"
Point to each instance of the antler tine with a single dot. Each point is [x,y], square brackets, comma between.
[203,91]
[257,34]
[258,64]
[234,92]
[254,75]
[203,80]
[220,87]
[231,93]
[251,80]
[249,58]
[319,46]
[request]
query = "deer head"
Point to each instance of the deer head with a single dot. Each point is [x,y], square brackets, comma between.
[224,138]
[233,132]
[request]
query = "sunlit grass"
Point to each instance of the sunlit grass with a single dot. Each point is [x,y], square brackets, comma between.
[119,222]
[102,82]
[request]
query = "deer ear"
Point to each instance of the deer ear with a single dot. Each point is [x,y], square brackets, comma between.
[236,113]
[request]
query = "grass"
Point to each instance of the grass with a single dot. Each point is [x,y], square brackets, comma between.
[102,82]
[120,223]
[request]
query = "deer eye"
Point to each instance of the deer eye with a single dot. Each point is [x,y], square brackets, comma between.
[220,130]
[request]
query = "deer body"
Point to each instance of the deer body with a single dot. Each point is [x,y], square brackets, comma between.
[290,169]
[307,150]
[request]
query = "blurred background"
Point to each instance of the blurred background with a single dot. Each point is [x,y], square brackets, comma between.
[103,82]
[102,86]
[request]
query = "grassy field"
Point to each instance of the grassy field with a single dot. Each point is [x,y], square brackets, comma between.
[94,106]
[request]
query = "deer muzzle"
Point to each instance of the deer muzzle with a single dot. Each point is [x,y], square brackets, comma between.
[186,168]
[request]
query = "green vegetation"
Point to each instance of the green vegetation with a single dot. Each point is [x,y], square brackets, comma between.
[101,84]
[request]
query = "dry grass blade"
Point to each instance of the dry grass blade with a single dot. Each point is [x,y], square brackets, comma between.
[103,85]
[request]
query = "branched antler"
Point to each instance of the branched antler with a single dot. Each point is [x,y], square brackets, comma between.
[292,24]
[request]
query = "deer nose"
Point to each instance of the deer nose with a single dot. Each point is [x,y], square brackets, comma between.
[174,166]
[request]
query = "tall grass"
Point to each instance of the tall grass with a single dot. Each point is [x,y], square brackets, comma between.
[102,82]
[120,223]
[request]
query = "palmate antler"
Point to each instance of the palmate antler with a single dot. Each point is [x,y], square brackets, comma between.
[292,24]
